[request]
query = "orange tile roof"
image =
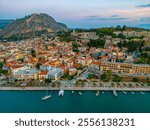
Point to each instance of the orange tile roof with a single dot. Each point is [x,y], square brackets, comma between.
[96,62]
[16,66]
[104,57]
[43,73]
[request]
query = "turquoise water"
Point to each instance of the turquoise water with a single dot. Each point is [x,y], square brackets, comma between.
[30,101]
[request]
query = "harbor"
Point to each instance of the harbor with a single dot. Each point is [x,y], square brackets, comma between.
[30,101]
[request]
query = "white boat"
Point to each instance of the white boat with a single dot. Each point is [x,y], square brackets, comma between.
[124,92]
[61,92]
[72,92]
[80,93]
[132,92]
[46,97]
[115,93]
[103,92]
[142,93]
[97,93]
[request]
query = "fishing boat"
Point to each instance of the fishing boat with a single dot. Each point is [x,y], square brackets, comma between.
[115,93]
[72,92]
[80,93]
[97,93]
[103,92]
[61,92]
[124,92]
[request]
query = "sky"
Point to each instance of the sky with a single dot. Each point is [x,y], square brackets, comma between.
[82,13]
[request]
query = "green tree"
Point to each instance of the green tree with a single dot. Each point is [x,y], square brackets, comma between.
[116,78]
[1,65]
[38,65]
[106,76]
[121,36]
[33,53]
[48,80]
[99,43]
[135,79]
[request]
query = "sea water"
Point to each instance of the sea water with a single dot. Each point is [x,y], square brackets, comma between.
[31,102]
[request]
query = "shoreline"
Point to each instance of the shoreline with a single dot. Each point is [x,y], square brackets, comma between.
[72,89]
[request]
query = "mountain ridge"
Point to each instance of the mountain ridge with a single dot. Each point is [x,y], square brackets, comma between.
[31,24]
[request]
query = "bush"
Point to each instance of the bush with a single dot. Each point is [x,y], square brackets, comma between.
[135,79]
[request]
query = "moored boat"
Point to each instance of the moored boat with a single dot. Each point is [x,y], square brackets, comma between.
[97,93]
[61,92]
[115,93]
[46,97]
[80,93]
[124,92]
[142,93]
[132,92]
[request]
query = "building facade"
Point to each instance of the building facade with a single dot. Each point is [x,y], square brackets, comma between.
[125,67]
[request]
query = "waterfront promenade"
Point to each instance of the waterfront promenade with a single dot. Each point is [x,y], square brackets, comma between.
[75,88]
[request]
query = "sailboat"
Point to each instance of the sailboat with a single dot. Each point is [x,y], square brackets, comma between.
[46,96]
[61,92]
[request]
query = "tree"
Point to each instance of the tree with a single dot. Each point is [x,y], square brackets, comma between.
[112,84]
[33,53]
[135,79]
[48,80]
[121,36]
[116,78]
[124,28]
[99,43]
[75,47]
[1,65]
[77,83]
[106,76]
[94,84]
[82,83]
[5,72]
[38,65]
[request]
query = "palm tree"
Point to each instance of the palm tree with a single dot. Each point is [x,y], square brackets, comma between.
[77,83]
[94,84]
[112,84]
[58,84]
[82,83]
[118,84]
[130,85]
[124,84]
[101,84]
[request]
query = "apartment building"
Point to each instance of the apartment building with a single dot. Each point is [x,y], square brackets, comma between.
[125,67]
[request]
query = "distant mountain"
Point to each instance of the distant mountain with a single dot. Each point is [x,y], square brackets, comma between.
[145,26]
[32,25]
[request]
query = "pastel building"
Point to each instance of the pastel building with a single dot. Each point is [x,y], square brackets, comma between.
[43,75]
[27,74]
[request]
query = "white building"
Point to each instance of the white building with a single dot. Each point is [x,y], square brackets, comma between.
[53,72]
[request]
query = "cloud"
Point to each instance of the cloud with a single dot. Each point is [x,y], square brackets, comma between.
[144,6]
[113,17]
